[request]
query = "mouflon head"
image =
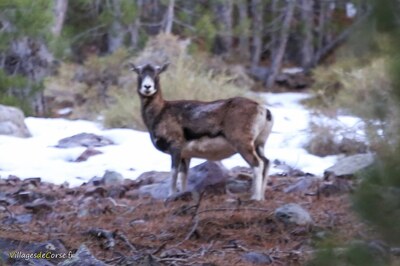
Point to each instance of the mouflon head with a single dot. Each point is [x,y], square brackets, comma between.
[148,78]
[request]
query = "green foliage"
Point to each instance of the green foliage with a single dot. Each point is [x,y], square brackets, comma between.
[26,18]
[355,254]
[206,30]
[22,19]
[8,82]
[377,199]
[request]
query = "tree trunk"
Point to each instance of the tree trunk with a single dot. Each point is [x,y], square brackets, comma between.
[284,36]
[60,10]
[308,47]
[244,34]
[116,33]
[275,32]
[135,26]
[256,11]
[170,17]
[322,18]
[223,13]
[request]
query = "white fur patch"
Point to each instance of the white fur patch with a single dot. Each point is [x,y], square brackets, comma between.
[214,149]
[258,189]
[147,87]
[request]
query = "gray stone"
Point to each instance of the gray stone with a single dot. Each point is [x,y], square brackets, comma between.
[238,186]
[82,257]
[89,152]
[39,206]
[293,213]
[257,258]
[112,178]
[300,186]
[84,140]
[152,177]
[350,165]
[157,190]
[395,251]
[12,122]
[24,218]
[207,174]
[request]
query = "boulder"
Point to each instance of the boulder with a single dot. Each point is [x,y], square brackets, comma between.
[12,122]
[200,177]
[257,258]
[293,213]
[207,174]
[112,178]
[350,165]
[84,140]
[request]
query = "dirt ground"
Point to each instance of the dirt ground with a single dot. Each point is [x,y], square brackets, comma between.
[218,231]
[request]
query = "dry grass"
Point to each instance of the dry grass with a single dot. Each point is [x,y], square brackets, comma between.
[363,90]
[105,86]
[186,78]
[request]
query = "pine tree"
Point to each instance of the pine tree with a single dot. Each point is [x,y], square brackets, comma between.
[24,57]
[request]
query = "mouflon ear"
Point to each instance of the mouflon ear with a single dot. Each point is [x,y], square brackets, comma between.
[135,68]
[162,68]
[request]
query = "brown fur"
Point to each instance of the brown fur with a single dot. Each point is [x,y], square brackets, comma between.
[210,130]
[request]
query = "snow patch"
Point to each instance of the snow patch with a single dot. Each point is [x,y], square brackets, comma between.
[133,152]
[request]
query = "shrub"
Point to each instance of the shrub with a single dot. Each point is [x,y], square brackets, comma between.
[362,90]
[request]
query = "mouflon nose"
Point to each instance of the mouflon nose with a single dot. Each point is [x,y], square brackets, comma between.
[147,86]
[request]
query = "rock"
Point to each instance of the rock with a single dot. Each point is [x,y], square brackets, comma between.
[257,258]
[338,186]
[39,206]
[238,186]
[350,165]
[26,196]
[112,178]
[395,251]
[300,186]
[207,174]
[288,170]
[95,191]
[116,192]
[12,122]
[89,152]
[96,181]
[157,191]
[82,257]
[84,140]
[35,181]
[18,219]
[293,213]
[153,177]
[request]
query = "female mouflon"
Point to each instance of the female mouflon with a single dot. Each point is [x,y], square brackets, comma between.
[210,130]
